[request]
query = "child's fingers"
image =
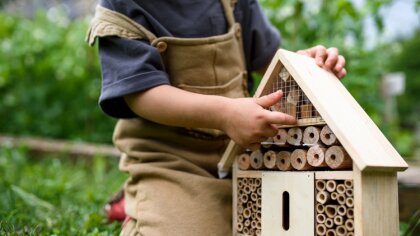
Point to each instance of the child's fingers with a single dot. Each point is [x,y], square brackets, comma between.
[270,99]
[280,118]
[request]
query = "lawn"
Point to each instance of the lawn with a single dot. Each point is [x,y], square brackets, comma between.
[56,194]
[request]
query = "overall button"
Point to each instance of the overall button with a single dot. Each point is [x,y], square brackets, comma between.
[161,46]
[238,32]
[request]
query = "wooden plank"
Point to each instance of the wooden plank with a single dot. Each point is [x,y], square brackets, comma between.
[272,74]
[234,198]
[376,203]
[305,122]
[336,175]
[74,149]
[225,163]
[248,174]
[300,187]
[362,139]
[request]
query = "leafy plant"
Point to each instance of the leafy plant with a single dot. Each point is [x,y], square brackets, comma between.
[50,79]
[55,195]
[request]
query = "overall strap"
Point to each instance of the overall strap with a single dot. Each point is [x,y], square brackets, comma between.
[228,7]
[111,23]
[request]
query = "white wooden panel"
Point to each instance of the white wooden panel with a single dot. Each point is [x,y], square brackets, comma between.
[300,186]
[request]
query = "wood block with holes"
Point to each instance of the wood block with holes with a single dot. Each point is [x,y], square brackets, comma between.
[340,176]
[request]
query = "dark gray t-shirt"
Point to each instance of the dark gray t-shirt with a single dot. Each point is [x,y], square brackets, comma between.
[130,66]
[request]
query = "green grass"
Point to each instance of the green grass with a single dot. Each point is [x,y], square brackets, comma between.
[56,195]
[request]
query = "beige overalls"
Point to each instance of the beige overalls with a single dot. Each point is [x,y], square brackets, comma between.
[173,187]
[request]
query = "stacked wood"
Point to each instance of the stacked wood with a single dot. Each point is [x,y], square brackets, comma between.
[248,215]
[334,208]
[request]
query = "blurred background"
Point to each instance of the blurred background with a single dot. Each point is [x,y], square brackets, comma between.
[57,168]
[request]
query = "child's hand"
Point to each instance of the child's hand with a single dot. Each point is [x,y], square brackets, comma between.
[327,58]
[248,123]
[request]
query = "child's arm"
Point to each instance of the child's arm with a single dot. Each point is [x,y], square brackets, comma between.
[244,119]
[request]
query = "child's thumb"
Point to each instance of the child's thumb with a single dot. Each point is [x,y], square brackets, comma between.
[270,99]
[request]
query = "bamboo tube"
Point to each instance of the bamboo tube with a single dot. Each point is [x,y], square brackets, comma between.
[243,198]
[331,185]
[350,213]
[258,232]
[247,213]
[329,222]
[251,181]
[245,231]
[259,191]
[327,136]
[323,197]
[349,202]
[259,202]
[258,216]
[320,218]
[269,159]
[254,197]
[258,182]
[337,158]
[321,229]
[350,234]
[330,232]
[341,199]
[316,156]
[254,224]
[247,189]
[341,210]
[341,230]
[240,182]
[240,218]
[348,183]
[249,204]
[256,160]
[320,185]
[294,136]
[341,189]
[334,195]
[299,161]
[311,135]
[253,188]
[349,224]
[247,223]
[244,162]
[283,161]
[338,220]
[254,208]
[251,231]
[306,111]
[331,211]
[240,209]
[268,142]
[281,138]
[239,227]
[349,192]
[320,208]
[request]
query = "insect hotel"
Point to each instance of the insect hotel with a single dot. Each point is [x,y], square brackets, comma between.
[333,173]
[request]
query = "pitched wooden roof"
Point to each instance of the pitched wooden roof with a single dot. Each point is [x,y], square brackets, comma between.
[361,138]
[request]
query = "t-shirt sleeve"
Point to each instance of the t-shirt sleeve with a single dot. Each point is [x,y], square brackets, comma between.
[127,66]
[261,38]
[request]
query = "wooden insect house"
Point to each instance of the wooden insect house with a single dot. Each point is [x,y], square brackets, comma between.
[333,173]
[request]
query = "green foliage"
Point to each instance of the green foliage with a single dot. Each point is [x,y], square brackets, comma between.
[50,79]
[55,195]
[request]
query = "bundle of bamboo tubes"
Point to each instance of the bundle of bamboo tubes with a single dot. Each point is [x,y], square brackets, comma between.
[334,207]
[249,206]
[297,148]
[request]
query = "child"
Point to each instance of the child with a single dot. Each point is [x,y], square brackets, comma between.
[177,75]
